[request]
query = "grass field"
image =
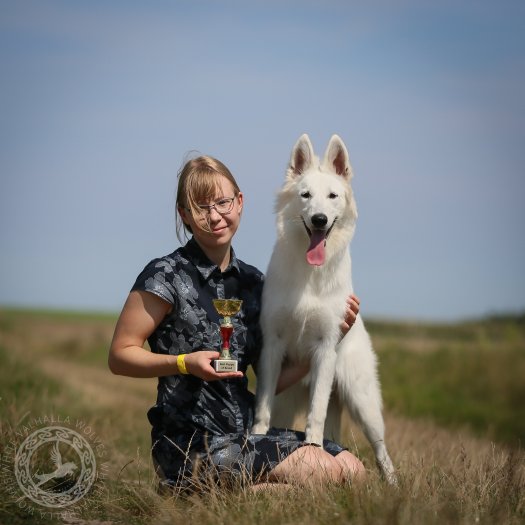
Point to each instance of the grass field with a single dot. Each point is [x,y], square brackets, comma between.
[454,406]
[466,374]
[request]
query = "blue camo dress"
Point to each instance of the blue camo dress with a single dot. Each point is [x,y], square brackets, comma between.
[201,427]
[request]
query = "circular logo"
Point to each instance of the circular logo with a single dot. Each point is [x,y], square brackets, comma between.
[55,467]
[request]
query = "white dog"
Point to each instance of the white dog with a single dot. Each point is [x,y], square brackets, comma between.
[304,300]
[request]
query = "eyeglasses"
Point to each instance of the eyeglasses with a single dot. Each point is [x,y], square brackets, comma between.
[222,206]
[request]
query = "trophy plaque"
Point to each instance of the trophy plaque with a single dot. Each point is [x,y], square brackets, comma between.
[227,308]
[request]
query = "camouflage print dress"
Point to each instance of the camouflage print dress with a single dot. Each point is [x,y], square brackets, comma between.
[201,427]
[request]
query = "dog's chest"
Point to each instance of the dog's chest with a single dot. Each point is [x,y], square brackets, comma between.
[305,327]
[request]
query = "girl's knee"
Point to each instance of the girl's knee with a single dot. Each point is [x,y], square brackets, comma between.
[352,468]
[332,468]
[321,465]
[308,464]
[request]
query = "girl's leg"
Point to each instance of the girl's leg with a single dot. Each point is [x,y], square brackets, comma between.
[352,468]
[308,464]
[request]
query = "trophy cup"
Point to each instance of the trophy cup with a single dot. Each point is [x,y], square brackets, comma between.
[227,308]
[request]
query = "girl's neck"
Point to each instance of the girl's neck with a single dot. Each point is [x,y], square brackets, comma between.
[219,255]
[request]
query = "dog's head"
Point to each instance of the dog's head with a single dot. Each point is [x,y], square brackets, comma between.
[316,203]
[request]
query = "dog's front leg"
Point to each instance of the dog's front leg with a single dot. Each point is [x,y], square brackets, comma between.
[268,373]
[323,371]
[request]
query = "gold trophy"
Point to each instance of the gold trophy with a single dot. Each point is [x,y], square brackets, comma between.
[227,308]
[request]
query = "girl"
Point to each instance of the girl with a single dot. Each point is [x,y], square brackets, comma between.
[202,419]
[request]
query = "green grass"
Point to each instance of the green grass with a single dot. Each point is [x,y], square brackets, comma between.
[491,329]
[30,400]
[25,395]
[458,374]
[15,313]
[467,374]
[484,389]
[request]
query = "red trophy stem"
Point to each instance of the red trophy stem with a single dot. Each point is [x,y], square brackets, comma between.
[226,332]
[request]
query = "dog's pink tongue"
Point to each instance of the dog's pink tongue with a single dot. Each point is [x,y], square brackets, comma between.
[315,252]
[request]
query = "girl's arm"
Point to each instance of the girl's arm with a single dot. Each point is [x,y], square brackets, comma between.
[139,318]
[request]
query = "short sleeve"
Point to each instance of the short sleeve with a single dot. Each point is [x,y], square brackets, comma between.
[157,278]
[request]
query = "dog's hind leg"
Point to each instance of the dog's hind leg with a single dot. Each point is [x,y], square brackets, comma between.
[371,421]
[358,386]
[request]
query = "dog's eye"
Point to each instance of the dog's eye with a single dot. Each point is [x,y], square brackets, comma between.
[306,195]
[333,195]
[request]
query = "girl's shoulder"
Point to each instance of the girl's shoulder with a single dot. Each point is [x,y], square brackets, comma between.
[158,276]
[250,272]
[168,263]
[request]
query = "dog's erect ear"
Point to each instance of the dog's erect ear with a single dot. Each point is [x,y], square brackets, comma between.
[336,158]
[302,156]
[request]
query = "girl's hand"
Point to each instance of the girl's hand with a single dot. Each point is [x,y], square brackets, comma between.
[352,309]
[199,365]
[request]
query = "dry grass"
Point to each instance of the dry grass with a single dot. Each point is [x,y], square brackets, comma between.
[58,367]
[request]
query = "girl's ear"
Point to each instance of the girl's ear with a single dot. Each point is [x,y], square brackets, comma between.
[184,213]
[240,198]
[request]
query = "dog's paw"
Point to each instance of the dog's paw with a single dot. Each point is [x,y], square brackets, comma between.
[387,470]
[260,428]
[391,479]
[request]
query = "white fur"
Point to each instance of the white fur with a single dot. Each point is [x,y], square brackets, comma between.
[303,305]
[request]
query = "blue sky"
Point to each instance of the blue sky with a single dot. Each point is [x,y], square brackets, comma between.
[102,100]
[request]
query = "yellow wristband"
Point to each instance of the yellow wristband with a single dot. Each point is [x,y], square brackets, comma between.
[181,365]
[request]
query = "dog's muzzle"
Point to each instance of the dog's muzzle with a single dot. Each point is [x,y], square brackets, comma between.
[315,254]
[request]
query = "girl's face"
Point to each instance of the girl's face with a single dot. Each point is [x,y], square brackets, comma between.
[222,227]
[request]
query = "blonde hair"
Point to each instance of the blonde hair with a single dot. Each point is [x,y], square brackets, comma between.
[198,182]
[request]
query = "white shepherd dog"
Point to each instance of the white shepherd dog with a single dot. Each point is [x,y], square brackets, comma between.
[304,299]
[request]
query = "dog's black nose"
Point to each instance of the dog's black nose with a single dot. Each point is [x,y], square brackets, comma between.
[319,220]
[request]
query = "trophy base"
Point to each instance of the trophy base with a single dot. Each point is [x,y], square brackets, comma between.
[224,365]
